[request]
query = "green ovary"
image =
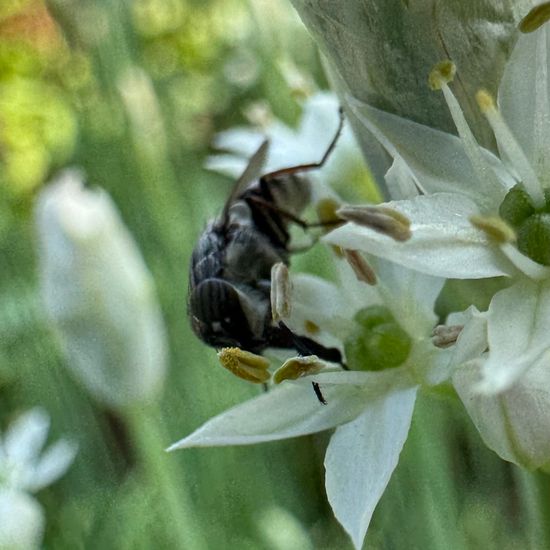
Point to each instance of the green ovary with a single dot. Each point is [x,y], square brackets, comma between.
[378,342]
[532,226]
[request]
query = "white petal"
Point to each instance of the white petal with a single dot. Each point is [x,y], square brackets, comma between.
[228,165]
[400,181]
[287,411]
[26,437]
[53,463]
[524,98]
[443,242]
[361,457]
[436,159]
[514,423]
[21,521]
[410,295]
[316,300]
[519,325]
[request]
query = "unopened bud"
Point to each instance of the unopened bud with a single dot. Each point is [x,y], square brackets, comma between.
[99,294]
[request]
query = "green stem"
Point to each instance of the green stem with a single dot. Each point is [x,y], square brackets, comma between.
[180,517]
[534,488]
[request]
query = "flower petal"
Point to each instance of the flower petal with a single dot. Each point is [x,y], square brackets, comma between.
[437,160]
[53,463]
[290,410]
[524,98]
[513,423]
[21,521]
[518,329]
[410,295]
[443,242]
[26,436]
[361,457]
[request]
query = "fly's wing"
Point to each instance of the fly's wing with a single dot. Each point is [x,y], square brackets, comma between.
[251,172]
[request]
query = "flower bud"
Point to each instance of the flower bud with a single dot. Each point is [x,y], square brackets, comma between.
[99,294]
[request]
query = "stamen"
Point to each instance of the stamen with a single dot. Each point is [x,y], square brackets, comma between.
[495,228]
[445,336]
[326,212]
[443,73]
[245,365]
[482,168]
[535,18]
[511,148]
[529,267]
[363,271]
[296,367]
[280,292]
[381,219]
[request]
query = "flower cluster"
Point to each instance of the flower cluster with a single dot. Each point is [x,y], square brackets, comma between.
[459,211]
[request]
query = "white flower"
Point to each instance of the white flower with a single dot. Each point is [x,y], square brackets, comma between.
[372,411]
[457,232]
[99,293]
[288,147]
[25,469]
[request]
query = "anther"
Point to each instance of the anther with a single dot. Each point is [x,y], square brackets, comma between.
[444,336]
[280,292]
[443,73]
[535,18]
[297,367]
[363,271]
[381,219]
[245,365]
[495,228]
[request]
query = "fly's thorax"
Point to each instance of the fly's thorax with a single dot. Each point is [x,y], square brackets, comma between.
[250,254]
[290,193]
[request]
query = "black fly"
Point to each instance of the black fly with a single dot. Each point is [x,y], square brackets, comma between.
[230,274]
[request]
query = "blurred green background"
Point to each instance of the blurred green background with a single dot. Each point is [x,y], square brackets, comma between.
[133,92]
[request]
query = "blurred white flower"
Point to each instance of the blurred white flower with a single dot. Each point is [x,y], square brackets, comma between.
[25,469]
[21,521]
[99,293]
[344,170]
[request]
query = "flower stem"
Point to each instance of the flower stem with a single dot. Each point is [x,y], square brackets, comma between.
[180,517]
[534,489]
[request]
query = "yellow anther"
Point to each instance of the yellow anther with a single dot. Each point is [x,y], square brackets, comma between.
[535,18]
[297,367]
[485,101]
[495,228]
[245,365]
[326,210]
[443,73]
